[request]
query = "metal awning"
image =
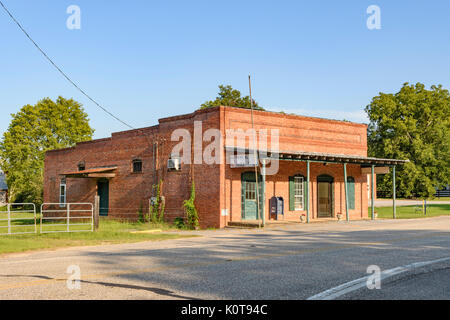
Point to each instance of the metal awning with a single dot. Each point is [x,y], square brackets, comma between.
[320,157]
[104,172]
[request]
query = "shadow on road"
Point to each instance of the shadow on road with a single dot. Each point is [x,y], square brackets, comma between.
[277,264]
[159,291]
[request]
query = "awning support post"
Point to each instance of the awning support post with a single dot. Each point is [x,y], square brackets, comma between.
[263,191]
[394,191]
[308,165]
[346,192]
[372,185]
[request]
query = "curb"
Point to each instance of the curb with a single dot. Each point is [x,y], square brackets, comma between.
[387,276]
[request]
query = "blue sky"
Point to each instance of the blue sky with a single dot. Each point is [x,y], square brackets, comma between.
[145,60]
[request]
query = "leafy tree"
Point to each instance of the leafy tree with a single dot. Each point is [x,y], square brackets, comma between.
[34,130]
[231,98]
[412,124]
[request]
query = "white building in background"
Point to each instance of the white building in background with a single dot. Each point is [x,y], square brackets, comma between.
[3,189]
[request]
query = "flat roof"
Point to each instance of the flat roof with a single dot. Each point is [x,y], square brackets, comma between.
[280,114]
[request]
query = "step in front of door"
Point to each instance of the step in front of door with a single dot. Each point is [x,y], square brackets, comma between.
[244,224]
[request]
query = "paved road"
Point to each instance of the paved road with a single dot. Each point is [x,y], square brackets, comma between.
[402,203]
[425,285]
[285,262]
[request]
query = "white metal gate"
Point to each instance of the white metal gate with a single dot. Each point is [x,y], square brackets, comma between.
[19,218]
[67,217]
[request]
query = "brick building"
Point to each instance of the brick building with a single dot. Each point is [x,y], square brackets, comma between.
[313,156]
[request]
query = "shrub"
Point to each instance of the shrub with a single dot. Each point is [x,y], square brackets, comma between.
[156,209]
[191,211]
[179,223]
[141,217]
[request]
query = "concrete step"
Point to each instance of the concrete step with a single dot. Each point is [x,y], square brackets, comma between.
[243,224]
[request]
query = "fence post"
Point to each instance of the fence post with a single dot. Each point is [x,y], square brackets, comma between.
[96,212]
[35,222]
[9,218]
[68,217]
[42,214]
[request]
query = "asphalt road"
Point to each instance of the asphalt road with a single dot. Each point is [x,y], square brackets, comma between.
[425,285]
[286,262]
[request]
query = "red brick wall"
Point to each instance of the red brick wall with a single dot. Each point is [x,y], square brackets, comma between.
[128,191]
[306,134]
[177,185]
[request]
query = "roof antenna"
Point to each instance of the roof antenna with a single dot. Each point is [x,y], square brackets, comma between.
[255,156]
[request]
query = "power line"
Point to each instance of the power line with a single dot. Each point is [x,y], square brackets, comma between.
[59,69]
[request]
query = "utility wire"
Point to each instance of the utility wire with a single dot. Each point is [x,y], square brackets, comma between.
[59,69]
[146,135]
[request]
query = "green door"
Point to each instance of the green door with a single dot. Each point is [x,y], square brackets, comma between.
[248,192]
[351,193]
[103,193]
[325,196]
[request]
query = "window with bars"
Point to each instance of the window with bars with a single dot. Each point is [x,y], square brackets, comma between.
[137,166]
[250,190]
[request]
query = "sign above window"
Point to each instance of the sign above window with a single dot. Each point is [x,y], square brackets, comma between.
[242,161]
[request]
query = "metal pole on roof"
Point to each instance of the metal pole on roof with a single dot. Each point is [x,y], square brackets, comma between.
[308,165]
[263,191]
[261,214]
[373,191]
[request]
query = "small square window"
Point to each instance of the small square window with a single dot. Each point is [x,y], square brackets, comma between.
[137,166]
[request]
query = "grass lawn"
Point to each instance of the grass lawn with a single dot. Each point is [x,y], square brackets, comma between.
[441,199]
[412,212]
[110,232]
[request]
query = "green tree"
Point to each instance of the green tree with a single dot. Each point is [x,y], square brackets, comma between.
[34,130]
[412,124]
[231,98]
